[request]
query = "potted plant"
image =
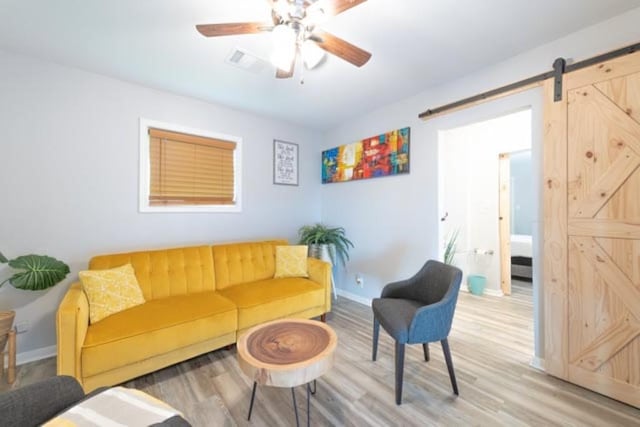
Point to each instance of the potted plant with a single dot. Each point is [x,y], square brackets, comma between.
[36,272]
[326,241]
[450,247]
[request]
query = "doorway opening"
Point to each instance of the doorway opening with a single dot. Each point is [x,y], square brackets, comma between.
[488,201]
[485,186]
[474,125]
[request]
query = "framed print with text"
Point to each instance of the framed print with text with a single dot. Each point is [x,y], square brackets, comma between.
[285,163]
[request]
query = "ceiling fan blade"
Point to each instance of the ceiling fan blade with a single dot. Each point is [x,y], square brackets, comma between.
[341,48]
[233,28]
[335,7]
[280,74]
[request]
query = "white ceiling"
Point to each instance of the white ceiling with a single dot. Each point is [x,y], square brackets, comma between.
[415,44]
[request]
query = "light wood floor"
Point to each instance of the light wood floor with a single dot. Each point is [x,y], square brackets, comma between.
[491,343]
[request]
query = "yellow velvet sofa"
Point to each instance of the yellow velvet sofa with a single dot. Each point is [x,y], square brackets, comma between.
[197,299]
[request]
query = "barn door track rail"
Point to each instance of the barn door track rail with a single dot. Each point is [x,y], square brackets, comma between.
[560,67]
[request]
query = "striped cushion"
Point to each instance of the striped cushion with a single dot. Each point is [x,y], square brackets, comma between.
[115,406]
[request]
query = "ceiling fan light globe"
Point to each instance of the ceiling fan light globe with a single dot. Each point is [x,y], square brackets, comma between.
[283,36]
[284,47]
[311,53]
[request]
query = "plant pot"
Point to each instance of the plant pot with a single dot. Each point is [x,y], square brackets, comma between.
[476,284]
[321,252]
[6,323]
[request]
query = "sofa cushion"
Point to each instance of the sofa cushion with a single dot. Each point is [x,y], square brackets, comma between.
[110,291]
[266,300]
[156,327]
[167,272]
[244,262]
[291,261]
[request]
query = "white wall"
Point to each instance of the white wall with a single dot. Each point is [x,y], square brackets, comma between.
[69,177]
[468,174]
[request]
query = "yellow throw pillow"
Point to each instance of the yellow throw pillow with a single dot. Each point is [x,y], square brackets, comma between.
[291,261]
[110,291]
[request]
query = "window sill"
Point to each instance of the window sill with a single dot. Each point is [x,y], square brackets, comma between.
[191,209]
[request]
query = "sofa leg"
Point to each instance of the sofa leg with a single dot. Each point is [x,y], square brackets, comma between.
[323,318]
[229,347]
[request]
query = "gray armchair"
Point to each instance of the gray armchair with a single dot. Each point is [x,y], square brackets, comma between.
[418,310]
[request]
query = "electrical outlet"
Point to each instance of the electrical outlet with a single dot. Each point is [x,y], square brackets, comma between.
[22,327]
[359,280]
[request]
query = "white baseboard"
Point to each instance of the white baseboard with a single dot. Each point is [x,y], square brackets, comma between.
[490,292]
[494,292]
[537,363]
[367,301]
[37,354]
[354,297]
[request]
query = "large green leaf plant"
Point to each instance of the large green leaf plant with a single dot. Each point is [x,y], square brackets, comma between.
[36,272]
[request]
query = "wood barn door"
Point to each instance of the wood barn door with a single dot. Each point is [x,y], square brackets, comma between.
[592,229]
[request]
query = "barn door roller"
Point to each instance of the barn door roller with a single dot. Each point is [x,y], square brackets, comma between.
[559,66]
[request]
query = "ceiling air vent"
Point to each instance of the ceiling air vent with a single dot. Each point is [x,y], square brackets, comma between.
[247,61]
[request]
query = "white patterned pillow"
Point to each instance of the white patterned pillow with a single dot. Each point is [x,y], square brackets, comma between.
[110,291]
[291,261]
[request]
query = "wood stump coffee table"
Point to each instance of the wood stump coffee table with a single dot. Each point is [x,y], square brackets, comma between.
[287,353]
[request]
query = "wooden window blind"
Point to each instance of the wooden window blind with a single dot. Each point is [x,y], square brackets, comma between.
[190,170]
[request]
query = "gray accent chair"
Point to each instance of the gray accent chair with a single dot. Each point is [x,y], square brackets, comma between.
[35,404]
[418,310]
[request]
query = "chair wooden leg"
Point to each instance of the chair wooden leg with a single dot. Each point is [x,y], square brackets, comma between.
[323,318]
[447,357]
[399,371]
[425,350]
[376,334]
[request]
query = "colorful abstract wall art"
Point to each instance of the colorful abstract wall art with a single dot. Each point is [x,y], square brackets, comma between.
[383,155]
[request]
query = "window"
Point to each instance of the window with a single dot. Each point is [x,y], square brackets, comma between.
[188,170]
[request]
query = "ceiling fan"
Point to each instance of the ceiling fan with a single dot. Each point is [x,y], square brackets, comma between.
[295,31]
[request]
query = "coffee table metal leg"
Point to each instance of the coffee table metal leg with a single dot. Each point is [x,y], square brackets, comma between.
[308,407]
[293,395]
[295,407]
[253,396]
